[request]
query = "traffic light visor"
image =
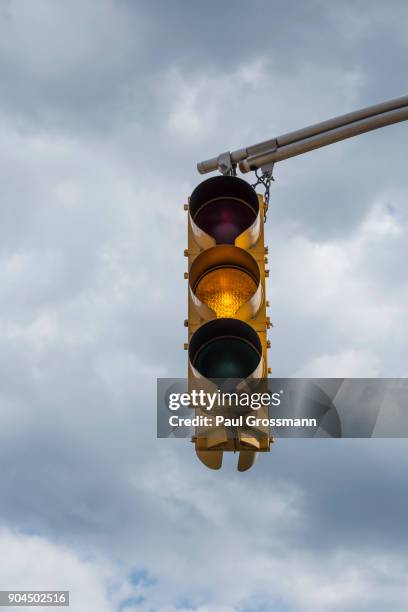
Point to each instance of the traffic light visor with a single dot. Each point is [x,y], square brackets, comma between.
[225,348]
[226,279]
[224,207]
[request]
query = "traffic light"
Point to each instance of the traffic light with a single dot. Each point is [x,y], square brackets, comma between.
[227,320]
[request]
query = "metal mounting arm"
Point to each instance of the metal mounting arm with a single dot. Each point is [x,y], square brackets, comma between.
[311,137]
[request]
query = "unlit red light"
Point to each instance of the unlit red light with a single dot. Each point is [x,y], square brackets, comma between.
[225,219]
[225,290]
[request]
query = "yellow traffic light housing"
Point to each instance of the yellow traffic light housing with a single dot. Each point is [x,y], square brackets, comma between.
[227,320]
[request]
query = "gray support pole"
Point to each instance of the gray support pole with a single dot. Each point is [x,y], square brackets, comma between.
[312,137]
[325,138]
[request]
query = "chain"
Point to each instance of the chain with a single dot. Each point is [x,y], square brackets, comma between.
[264,179]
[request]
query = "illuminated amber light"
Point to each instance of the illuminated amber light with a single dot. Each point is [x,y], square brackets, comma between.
[225,290]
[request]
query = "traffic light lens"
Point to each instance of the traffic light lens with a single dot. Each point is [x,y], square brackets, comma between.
[224,207]
[227,358]
[225,219]
[225,348]
[225,290]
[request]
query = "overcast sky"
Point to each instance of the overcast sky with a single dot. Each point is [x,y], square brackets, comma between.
[105,108]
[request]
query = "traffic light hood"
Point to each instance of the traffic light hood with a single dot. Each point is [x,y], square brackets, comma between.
[225,281]
[226,348]
[222,209]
